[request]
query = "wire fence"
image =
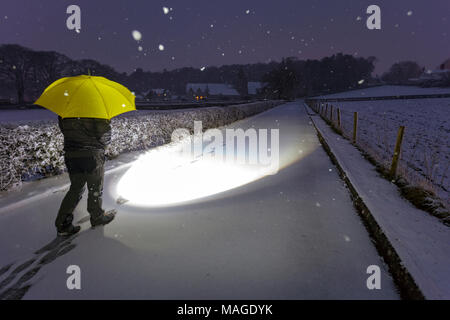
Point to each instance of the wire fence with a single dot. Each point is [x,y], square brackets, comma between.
[401,151]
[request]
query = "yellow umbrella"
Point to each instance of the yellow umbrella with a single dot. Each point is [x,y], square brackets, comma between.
[87,97]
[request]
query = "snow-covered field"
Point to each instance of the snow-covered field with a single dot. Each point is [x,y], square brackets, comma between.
[33,149]
[19,116]
[387,91]
[425,154]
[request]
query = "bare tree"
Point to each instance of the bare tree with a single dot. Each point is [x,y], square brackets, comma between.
[50,66]
[15,67]
[402,71]
[95,68]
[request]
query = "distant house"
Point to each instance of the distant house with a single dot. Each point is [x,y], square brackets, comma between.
[201,91]
[445,65]
[158,94]
[435,77]
[255,88]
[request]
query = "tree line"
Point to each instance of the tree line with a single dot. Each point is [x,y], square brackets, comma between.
[28,72]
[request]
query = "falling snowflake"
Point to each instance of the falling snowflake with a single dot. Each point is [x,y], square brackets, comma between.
[140,48]
[317,204]
[77,30]
[212,26]
[136,35]
[409,13]
[66,93]
[161,47]
[202,68]
[165,10]
[358,18]
[361,81]
[247,11]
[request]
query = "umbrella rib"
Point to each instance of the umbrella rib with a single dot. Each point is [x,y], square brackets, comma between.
[104,103]
[72,95]
[106,84]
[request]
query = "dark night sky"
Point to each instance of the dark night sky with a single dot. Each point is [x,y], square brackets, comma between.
[271,30]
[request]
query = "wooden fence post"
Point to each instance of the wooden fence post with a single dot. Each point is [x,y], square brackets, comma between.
[326,111]
[398,146]
[339,117]
[331,114]
[355,126]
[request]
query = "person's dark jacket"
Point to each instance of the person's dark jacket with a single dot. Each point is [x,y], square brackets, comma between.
[85,136]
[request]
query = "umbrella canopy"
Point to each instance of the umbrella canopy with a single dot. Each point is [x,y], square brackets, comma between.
[87,97]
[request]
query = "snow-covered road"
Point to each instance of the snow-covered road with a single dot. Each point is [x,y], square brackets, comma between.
[292,235]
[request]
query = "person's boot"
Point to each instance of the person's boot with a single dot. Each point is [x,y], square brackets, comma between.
[68,231]
[103,219]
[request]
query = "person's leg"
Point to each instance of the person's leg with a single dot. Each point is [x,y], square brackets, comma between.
[95,187]
[95,192]
[73,196]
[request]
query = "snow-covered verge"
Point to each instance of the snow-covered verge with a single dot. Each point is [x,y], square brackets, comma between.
[35,150]
[414,244]
[386,91]
[425,153]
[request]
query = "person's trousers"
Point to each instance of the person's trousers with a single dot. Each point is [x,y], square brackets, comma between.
[83,170]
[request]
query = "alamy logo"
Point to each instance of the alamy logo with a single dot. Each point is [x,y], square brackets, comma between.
[374,20]
[374,280]
[243,147]
[74,280]
[73,22]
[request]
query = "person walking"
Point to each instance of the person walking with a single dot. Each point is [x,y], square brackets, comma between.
[85,140]
[85,105]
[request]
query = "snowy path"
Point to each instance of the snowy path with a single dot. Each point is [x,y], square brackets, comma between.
[292,235]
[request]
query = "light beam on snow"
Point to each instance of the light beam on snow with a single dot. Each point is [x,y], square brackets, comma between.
[159,179]
[165,176]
